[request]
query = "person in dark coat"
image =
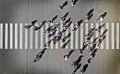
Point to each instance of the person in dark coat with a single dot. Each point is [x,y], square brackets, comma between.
[94,53]
[32,24]
[52,32]
[76,62]
[65,3]
[100,27]
[66,21]
[63,18]
[88,18]
[95,39]
[66,57]
[65,44]
[90,36]
[100,40]
[39,55]
[73,2]
[103,34]
[85,44]
[66,27]
[89,60]
[77,25]
[102,16]
[84,68]
[63,40]
[40,26]
[57,38]
[75,70]
[92,47]
[90,31]
[52,28]
[90,12]
[48,43]
[54,18]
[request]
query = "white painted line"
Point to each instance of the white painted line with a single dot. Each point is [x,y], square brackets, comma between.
[71,42]
[16,36]
[41,38]
[26,37]
[6,35]
[76,39]
[81,35]
[1,35]
[21,35]
[31,38]
[117,36]
[36,38]
[11,35]
[113,38]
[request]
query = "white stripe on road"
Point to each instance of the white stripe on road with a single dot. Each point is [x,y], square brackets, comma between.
[6,35]
[16,36]
[26,37]
[21,35]
[36,38]
[81,35]
[1,35]
[117,36]
[11,35]
[112,37]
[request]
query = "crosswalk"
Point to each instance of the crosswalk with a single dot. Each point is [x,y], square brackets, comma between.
[15,36]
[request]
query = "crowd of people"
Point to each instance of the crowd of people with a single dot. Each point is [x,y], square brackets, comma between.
[56,35]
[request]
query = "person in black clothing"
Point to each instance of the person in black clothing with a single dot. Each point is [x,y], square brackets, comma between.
[57,38]
[55,26]
[77,25]
[88,18]
[65,44]
[73,2]
[104,33]
[54,18]
[89,12]
[66,26]
[76,62]
[51,33]
[66,57]
[48,43]
[100,27]
[63,40]
[48,29]
[63,18]
[89,60]
[94,53]
[101,17]
[100,40]
[85,44]
[84,68]
[52,28]
[65,3]
[91,31]
[92,47]
[75,70]
[66,21]
[95,39]
[39,55]
[40,26]
[90,36]
[32,24]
